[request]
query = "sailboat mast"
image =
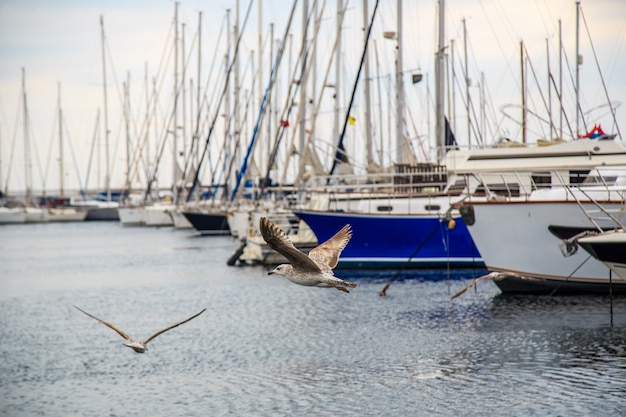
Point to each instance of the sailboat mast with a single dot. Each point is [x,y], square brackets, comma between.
[303,80]
[175,115]
[107,179]
[196,137]
[61,189]
[338,70]
[368,101]
[523,92]
[468,99]
[399,89]
[439,86]
[560,82]
[237,90]
[578,62]
[127,128]
[27,158]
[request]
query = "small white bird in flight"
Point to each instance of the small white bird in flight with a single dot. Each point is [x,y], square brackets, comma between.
[315,270]
[139,346]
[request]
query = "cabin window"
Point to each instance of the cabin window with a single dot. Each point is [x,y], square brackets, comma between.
[577,176]
[384,209]
[541,180]
[511,189]
[432,207]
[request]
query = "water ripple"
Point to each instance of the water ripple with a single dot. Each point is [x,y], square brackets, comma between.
[268,347]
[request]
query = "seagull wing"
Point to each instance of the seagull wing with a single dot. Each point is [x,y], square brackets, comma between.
[117,329]
[172,326]
[278,240]
[328,252]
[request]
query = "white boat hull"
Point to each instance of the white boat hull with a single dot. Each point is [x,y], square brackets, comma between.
[516,237]
[14,215]
[158,215]
[131,216]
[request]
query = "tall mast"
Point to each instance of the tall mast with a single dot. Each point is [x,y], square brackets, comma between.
[549,90]
[560,82]
[61,190]
[338,71]
[260,54]
[303,81]
[127,126]
[521,44]
[107,178]
[196,136]
[27,159]
[175,115]
[578,62]
[399,90]
[184,94]
[237,81]
[467,86]
[366,78]
[439,86]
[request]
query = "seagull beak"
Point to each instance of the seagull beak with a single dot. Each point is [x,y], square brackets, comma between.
[270,273]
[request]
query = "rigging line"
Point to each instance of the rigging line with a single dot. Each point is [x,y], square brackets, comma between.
[395,276]
[286,112]
[242,123]
[249,65]
[560,99]
[310,50]
[11,155]
[571,76]
[570,275]
[74,159]
[356,83]
[153,102]
[545,103]
[593,49]
[279,55]
[219,104]
[49,153]
[93,146]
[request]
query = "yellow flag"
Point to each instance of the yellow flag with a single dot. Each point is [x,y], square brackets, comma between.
[351,120]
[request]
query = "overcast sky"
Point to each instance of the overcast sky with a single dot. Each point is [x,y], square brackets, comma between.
[60,42]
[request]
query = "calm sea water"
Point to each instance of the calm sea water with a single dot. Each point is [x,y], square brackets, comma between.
[267,347]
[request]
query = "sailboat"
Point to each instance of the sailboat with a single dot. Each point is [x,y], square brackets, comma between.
[411,219]
[105,204]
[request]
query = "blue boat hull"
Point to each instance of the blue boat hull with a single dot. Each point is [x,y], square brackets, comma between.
[392,241]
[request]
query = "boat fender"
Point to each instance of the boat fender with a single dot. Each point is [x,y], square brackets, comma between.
[467,213]
[451,224]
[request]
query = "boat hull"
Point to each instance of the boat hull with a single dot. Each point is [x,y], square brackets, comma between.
[208,223]
[131,216]
[14,215]
[520,238]
[102,214]
[392,241]
[559,286]
[610,248]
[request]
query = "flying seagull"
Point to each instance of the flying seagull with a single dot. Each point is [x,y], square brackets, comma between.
[493,276]
[139,346]
[315,270]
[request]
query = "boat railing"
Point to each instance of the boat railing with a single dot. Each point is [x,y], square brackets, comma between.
[408,182]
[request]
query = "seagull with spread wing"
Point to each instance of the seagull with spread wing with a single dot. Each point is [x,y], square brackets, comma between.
[139,346]
[314,270]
